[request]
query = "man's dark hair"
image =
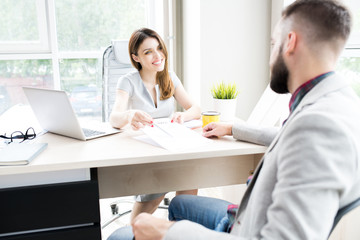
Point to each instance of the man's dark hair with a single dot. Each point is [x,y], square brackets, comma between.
[328,18]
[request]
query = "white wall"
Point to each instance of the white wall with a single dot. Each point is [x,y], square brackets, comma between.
[191,49]
[226,40]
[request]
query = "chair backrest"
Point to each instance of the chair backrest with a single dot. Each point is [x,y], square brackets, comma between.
[116,63]
[343,211]
[271,109]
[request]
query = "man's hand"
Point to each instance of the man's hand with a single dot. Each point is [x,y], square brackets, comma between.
[216,129]
[147,227]
[140,119]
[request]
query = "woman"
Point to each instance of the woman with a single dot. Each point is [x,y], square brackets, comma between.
[149,93]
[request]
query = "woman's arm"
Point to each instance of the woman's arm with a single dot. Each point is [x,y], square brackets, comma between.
[120,116]
[192,111]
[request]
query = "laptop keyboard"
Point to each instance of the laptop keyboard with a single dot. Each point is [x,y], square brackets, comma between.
[91,132]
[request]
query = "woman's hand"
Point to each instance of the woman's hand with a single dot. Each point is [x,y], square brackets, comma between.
[139,119]
[216,129]
[178,117]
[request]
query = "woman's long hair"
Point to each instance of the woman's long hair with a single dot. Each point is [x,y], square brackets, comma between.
[162,78]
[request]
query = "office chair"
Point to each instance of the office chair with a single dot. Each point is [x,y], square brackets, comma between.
[116,214]
[116,63]
[271,109]
[343,211]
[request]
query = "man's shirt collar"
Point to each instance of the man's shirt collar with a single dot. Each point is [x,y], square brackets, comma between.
[299,94]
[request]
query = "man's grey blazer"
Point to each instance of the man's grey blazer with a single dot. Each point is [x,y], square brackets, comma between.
[310,170]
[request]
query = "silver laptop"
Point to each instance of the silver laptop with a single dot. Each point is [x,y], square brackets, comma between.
[55,114]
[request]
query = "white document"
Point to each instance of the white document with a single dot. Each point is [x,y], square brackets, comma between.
[19,118]
[172,136]
[196,123]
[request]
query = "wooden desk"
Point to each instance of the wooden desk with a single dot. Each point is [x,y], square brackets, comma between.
[124,166]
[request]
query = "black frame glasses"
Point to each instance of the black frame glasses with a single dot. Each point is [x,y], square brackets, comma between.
[29,135]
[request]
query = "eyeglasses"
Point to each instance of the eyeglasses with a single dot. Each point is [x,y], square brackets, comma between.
[29,135]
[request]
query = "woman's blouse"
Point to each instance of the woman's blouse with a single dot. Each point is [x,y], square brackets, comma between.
[140,98]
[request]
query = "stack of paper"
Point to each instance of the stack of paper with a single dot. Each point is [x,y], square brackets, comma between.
[172,136]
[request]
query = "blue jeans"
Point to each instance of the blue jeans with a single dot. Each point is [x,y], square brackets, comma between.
[209,212]
[123,233]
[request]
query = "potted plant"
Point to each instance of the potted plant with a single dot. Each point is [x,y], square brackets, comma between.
[224,95]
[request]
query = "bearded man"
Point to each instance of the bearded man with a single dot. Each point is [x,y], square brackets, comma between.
[311,168]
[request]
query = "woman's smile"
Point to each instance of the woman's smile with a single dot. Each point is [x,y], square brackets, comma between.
[158,62]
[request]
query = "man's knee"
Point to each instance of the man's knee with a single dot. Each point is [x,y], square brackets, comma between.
[174,205]
[177,206]
[123,233]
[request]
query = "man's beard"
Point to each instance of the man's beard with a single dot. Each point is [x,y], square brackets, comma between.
[279,75]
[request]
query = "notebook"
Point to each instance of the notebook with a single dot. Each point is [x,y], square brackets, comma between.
[55,114]
[20,153]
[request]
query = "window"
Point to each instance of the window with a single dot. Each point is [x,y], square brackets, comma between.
[89,25]
[15,73]
[349,63]
[59,44]
[18,16]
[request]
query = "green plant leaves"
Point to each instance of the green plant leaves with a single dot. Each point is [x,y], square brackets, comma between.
[224,90]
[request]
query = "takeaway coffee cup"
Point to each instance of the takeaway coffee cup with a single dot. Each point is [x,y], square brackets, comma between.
[209,116]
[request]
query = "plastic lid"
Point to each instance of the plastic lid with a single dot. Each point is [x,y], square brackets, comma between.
[210,113]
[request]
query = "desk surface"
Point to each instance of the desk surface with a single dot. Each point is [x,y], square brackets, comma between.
[125,166]
[121,149]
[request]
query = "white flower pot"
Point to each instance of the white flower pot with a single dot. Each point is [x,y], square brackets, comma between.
[226,108]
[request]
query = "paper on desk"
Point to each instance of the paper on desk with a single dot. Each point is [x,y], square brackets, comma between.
[19,118]
[173,136]
[146,139]
[196,123]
